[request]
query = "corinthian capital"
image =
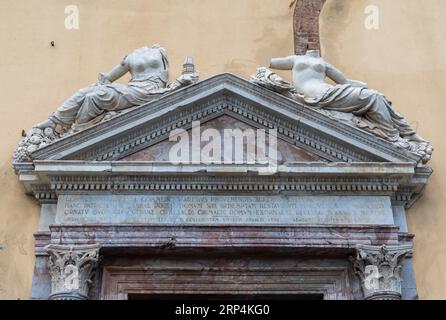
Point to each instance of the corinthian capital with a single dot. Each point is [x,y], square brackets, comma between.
[379,268]
[71,269]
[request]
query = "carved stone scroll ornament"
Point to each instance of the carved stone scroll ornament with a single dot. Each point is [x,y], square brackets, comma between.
[104,100]
[379,268]
[72,269]
[348,101]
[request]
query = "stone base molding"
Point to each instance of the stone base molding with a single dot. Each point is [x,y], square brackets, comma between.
[72,269]
[379,268]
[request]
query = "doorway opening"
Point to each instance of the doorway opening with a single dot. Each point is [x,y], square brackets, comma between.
[190,297]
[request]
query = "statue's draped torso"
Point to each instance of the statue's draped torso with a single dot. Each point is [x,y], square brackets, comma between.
[149,70]
[147,63]
[368,109]
[309,77]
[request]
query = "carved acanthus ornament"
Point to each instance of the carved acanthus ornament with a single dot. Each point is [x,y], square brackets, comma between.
[72,269]
[379,268]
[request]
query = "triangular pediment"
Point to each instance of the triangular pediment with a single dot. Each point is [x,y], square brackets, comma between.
[285,151]
[304,134]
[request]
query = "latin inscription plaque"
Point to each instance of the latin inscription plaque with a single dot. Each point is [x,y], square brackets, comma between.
[223,210]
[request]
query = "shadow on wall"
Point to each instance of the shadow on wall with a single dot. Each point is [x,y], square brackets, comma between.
[269,44]
[334,11]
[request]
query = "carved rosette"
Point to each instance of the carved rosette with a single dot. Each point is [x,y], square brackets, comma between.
[72,269]
[379,268]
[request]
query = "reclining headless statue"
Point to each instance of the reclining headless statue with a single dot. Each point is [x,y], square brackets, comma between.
[348,100]
[367,108]
[148,67]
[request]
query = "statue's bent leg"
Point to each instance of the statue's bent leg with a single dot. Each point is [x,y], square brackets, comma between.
[406,131]
[383,113]
[380,115]
[374,107]
[66,114]
[99,100]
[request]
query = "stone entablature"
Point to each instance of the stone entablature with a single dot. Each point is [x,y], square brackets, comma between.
[401,181]
[296,237]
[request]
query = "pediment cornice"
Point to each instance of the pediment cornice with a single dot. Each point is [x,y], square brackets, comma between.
[227,94]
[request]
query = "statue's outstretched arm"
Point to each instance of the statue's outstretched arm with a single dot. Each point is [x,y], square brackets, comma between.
[282,63]
[337,76]
[116,73]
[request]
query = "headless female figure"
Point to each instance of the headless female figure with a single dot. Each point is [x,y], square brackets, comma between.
[149,69]
[309,73]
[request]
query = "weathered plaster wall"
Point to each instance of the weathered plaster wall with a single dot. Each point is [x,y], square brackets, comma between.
[405,58]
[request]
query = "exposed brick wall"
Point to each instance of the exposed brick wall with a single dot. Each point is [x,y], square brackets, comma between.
[306,25]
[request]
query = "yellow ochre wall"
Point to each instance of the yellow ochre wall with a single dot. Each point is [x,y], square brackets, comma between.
[405,59]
